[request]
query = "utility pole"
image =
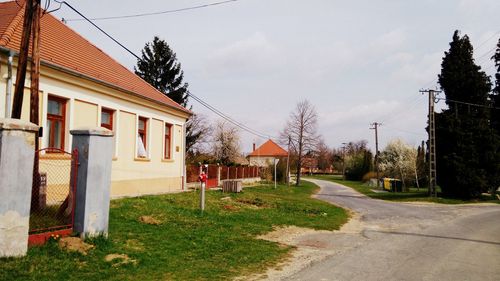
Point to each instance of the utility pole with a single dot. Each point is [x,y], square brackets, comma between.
[34,96]
[288,162]
[343,160]
[22,62]
[432,142]
[375,127]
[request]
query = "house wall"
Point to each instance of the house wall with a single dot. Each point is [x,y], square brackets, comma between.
[131,175]
[261,161]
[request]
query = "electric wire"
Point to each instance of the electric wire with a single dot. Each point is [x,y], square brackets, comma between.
[467,103]
[158,13]
[202,102]
[100,29]
[231,120]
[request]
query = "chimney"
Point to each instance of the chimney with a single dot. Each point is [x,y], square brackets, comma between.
[253,146]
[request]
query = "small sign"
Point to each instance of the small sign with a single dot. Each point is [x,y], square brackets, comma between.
[177,149]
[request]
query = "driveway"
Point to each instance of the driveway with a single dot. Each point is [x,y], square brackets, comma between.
[406,241]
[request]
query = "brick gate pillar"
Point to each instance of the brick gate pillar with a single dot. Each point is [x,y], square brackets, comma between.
[17,152]
[95,154]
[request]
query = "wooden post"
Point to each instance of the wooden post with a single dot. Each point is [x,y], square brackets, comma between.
[22,62]
[34,98]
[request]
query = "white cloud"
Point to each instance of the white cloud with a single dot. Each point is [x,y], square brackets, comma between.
[253,54]
[361,112]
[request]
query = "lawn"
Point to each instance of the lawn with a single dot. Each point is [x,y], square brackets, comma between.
[411,196]
[218,245]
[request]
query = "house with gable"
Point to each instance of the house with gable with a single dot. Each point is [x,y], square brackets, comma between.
[264,155]
[81,86]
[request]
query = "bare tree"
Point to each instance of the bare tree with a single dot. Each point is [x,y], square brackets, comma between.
[226,143]
[301,128]
[197,131]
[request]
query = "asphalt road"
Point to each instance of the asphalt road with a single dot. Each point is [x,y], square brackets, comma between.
[407,241]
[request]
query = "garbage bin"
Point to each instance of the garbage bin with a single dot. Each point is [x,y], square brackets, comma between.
[396,185]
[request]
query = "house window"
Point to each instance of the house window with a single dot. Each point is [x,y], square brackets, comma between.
[142,130]
[56,122]
[107,118]
[168,141]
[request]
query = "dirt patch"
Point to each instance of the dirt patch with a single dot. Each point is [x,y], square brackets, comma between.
[149,220]
[119,259]
[252,202]
[310,246]
[74,244]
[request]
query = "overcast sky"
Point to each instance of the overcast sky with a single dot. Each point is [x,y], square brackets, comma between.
[356,61]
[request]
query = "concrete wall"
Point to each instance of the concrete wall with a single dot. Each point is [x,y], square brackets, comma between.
[17,143]
[84,102]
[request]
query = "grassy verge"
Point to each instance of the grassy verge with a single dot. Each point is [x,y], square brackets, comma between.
[413,195]
[218,245]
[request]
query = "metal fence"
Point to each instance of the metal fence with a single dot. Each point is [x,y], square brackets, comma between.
[54,190]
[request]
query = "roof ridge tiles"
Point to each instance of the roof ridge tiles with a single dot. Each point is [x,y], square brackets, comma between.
[11,28]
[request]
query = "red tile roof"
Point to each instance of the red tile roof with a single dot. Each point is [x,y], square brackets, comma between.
[62,47]
[269,148]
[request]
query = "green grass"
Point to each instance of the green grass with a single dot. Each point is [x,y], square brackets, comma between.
[413,195]
[218,245]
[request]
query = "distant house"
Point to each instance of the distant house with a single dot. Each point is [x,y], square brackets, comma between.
[80,86]
[265,154]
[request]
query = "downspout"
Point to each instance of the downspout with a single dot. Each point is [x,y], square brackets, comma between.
[8,96]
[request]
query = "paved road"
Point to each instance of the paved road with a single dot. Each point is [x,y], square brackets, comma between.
[405,241]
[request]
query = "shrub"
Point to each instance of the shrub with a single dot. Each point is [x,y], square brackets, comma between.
[368,176]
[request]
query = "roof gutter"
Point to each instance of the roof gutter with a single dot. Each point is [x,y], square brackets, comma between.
[74,73]
[8,96]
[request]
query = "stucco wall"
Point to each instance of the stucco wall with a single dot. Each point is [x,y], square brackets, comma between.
[85,114]
[261,161]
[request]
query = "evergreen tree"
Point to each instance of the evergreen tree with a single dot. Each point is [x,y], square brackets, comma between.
[159,67]
[495,97]
[465,143]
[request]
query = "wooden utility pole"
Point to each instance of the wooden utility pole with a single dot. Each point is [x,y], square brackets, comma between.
[432,143]
[35,64]
[288,162]
[22,62]
[34,99]
[375,127]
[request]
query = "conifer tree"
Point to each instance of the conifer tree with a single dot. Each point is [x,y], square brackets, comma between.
[159,67]
[465,143]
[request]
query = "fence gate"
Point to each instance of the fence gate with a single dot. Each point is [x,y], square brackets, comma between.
[53,194]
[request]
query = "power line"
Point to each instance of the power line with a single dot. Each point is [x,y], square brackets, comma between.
[468,103]
[100,29]
[231,120]
[202,102]
[158,13]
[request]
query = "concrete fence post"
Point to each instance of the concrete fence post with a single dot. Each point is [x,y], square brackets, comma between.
[17,152]
[95,154]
